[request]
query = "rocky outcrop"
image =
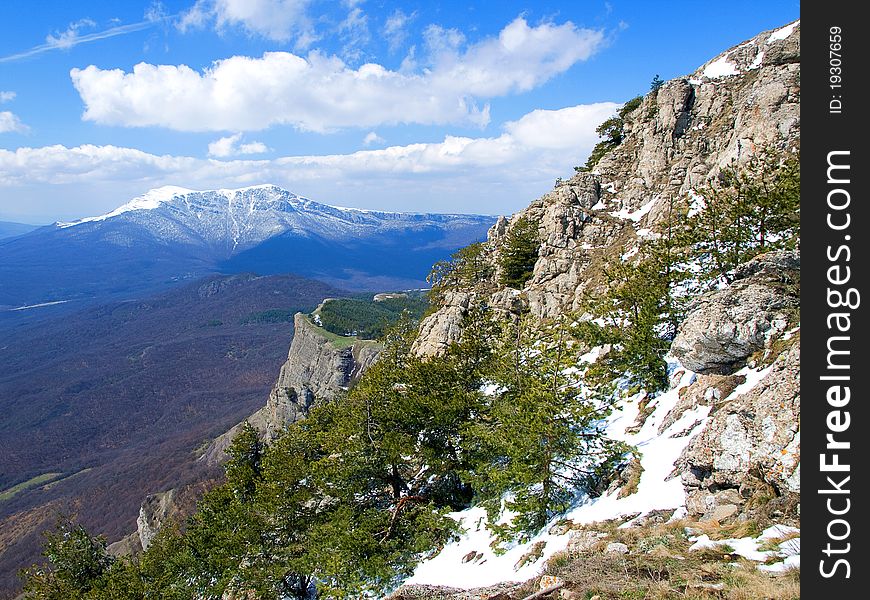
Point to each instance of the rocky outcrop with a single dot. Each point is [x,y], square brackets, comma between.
[675,142]
[725,327]
[443,328]
[679,137]
[156,511]
[750,447]
[319,366]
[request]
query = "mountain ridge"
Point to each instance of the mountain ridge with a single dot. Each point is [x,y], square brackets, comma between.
[171,234]
[251,215]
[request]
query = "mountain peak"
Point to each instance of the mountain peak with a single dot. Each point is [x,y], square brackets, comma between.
[156,197]
[764,49]
[232,220]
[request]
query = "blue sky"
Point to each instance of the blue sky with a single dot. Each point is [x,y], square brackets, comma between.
[418,106]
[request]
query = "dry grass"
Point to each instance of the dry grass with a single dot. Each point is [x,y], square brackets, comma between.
[630,486]
[661,567]
[717,531]
[774,543]
[752,584]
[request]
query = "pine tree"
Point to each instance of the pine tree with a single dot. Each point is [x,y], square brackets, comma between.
[747,211]
[636,326]
[243,468]
[519,252]
[77,564]
[612,132]
[540,435]
[466,267]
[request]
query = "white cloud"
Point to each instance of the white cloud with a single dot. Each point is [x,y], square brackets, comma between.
[559,129]
[354,31]
[320,93]
[9,122]
[230,146]
[72,36]
[156,12]
[395,28]
[459,174]
[6,96]
[277,20]
[443,42]
[372,138]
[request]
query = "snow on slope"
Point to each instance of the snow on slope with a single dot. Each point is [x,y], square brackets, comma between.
[148,201]
[745,57]
[654,491]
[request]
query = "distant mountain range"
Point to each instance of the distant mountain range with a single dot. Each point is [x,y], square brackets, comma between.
[171,234]
[8,229]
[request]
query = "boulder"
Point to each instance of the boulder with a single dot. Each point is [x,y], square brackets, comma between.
[725,327]
[616,548]
[750,447]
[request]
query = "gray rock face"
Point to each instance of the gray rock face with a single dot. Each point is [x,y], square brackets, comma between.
[746,99]
[155,511]
[723,328]
[316,370]
[750,441]
[439,330]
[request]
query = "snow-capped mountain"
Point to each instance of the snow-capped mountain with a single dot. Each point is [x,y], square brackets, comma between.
[237,219]
[171,234]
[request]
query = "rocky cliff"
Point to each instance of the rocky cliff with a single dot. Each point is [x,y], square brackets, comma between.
[720,448]
[319,366]
[675,141]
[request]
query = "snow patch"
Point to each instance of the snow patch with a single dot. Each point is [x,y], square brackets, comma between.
[753,377]
[748,547]
[721,67]
[630,253]
[636,215]
[591,356]
[756,62]
[658,455]
[782,33]
[698,203]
